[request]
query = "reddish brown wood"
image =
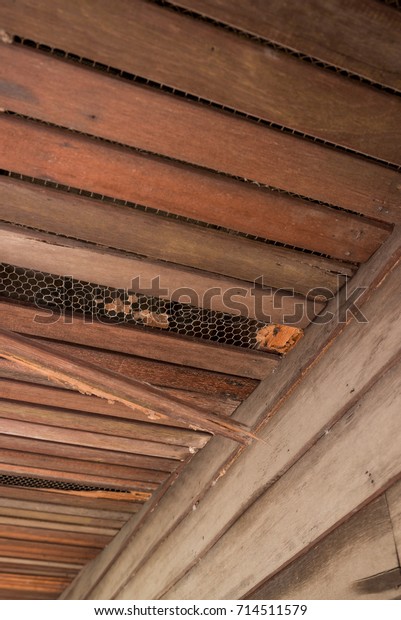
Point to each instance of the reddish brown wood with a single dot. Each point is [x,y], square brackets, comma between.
[148,344]
[58,552]
[312,27]
[196,57]
[80,453]
[48,536]
[70,159]
[45,87]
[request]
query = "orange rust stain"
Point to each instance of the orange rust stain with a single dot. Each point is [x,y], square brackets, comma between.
[278,338]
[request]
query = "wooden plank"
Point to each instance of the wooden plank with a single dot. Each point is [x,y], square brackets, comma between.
[56,521]
[33,583]
[61,513]
[312,28]
[78,161]
[69,399]
[111,386]
[132,230]
[342,564]
[393,497]
[131,341]
[17,532]
[58,464]
[209,62]
[91,440]
[159,373]
[45,87]
[80,453]
[275,529]
[105,267]
[142,489]
[100,423]
[333,343]
[68,501]
[61,553]
[18,521]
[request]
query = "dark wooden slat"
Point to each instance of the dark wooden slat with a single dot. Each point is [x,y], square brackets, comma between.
[156,43]
[148,344]
[312,27]
[218,385]
[144,489]
[70,159]
[106,267]
[43,497]
[61,553]
[66,451]
[47,88]
[30,392]
[92,440]
[185,244]
[35,509]
[49,536]
[104,424]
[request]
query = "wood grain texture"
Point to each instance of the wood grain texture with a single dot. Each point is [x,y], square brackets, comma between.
[82,453]
[220,386]
[312,28]
[70,501]
[33,583]
[34,509]
[216,460]
[45,87]
[105,384]
[78,161]
[16,532]
[103,424]
[154,345]
[59,552]
[156,43]
[393,497]
[275,529]
[338,566]
[106,267]
[133,231]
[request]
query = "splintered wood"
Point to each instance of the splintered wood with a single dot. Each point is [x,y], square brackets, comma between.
[278,338]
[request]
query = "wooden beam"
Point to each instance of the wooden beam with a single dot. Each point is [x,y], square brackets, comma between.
[105,267]
[217,65]
[44,87]
[228,481]
[393,497]
[155,345]
[78,161]
[132,230]
[357,560]
[111,386]
[312,28]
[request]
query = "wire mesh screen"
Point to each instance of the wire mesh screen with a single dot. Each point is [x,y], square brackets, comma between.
[43,483]
[67,295]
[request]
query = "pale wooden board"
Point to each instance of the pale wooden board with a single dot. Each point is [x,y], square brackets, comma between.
[356,561]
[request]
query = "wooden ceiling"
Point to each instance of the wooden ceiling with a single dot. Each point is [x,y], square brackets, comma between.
[200,145]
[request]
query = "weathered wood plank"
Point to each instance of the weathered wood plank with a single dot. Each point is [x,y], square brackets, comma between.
[393,497]
[61,553]
[78,161]
[69,501]
[132,230]
[195,57]
[198,381]
[44,87]
[17,532]
[105,267]
[100,423]
[19,521]
[33,583]
[339,342]
[149,344]
[275,529]
[106,384]
[342,565]
[68,451]
[61,513]
[89,439]
[312,28]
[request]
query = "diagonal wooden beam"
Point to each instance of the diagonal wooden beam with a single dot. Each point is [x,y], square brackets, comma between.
[92,379]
